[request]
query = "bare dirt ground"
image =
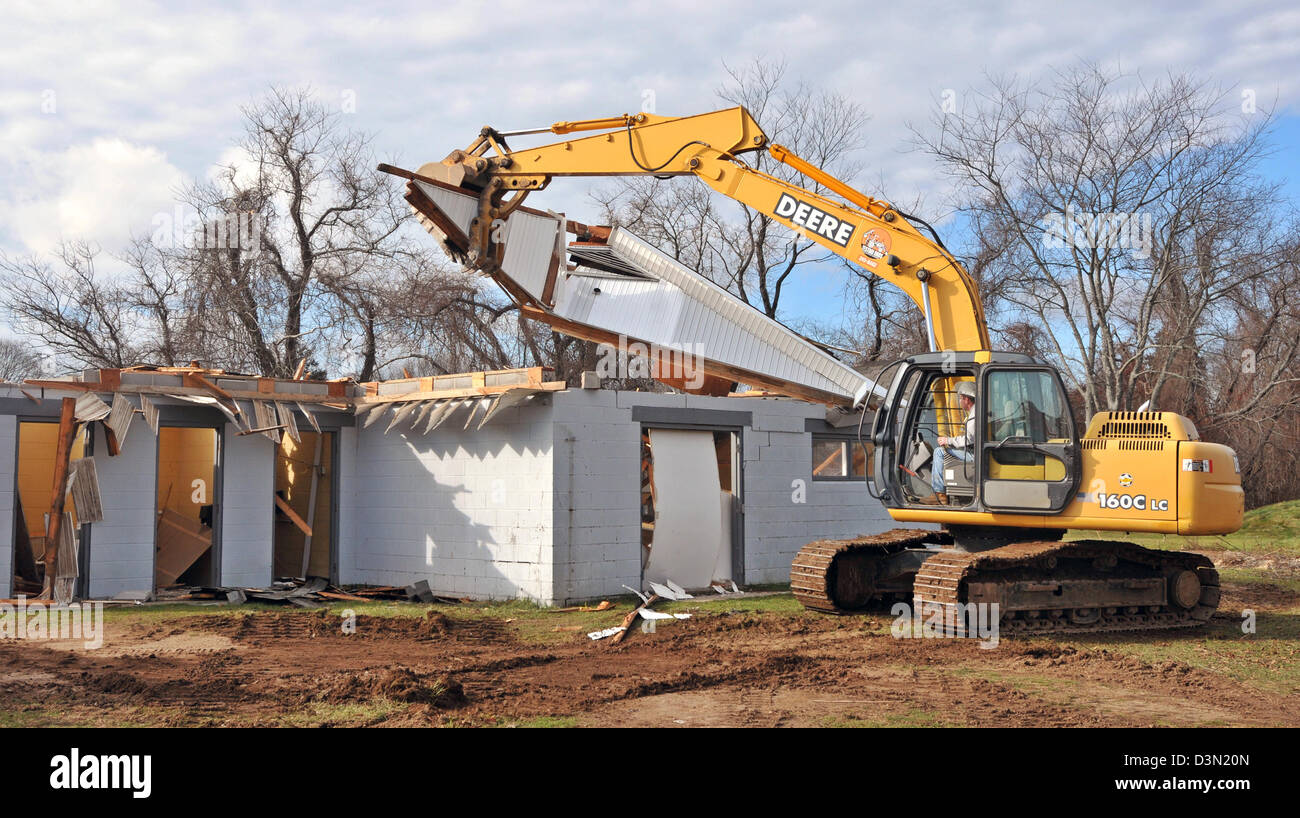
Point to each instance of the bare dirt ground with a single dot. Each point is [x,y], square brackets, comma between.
[757,661]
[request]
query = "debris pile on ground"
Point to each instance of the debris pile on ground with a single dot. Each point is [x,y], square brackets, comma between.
[314,592]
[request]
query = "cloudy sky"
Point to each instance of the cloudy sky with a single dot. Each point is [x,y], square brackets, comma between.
[105,110]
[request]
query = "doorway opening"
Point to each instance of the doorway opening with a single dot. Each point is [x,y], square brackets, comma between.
[304,513]
[690,507]
[38,443]
[186,508]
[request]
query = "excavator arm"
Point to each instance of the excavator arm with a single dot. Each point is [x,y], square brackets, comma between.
[867,232]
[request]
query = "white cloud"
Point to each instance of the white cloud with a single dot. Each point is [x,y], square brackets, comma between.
[147,91]
[103,191]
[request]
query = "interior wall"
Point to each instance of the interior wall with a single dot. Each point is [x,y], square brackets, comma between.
[184,456]
[294,464]
[186,486]
[37,444]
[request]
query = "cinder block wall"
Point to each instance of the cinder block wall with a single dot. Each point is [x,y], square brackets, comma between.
[122,544]
[597,522]
[469,511]
[597,493]
[784,507]
[247,508]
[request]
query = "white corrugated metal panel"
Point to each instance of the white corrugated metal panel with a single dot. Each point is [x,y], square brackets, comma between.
[659,313]
[459,207]
[531,242]
[779,352]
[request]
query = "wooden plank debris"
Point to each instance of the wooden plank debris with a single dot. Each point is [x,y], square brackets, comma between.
[400,414]
[288,421]
[208,400]
[505,400]
[284,506]
[631,618]
[267,422]
[65,578]
[374,414]
[59,489]
[444,411]
[310,415]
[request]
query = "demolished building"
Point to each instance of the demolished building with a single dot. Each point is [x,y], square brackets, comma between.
[486,485]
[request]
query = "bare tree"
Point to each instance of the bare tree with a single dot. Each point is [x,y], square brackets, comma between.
[320,213]
[1099,199]
[86,317]
[18,361]
[296,252]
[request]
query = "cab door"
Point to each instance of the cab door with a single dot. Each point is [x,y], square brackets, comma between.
[1029,449]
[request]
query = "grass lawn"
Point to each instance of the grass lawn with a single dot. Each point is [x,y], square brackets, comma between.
[1271,529]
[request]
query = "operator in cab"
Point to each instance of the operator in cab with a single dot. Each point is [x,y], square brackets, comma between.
[953,449]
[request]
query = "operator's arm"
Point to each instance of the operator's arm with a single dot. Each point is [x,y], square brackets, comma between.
[962,441]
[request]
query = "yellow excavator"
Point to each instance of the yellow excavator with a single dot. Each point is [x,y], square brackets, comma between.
[982,443]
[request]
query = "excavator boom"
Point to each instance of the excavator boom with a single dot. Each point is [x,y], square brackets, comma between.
[867,232]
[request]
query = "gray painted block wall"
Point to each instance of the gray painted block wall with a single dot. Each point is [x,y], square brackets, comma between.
[597,532]
[247,509]
[122,544]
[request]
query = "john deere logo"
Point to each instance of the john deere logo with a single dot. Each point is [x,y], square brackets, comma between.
[1126,480]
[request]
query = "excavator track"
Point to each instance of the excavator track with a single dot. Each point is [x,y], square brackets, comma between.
[845,576]
[1071,587]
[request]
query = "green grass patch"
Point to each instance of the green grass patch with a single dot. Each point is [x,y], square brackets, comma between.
[774,603]
[1273,529]
[359,714]
[545,722]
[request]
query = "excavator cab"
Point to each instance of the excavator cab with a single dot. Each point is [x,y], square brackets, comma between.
[1021,451]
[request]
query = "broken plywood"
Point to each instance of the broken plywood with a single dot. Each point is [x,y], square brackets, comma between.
[181,542]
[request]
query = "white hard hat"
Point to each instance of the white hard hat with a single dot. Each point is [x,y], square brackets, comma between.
[966,388]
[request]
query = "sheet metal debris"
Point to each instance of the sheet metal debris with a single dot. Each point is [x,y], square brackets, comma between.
[84,486]
[119,419]
[91,408]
